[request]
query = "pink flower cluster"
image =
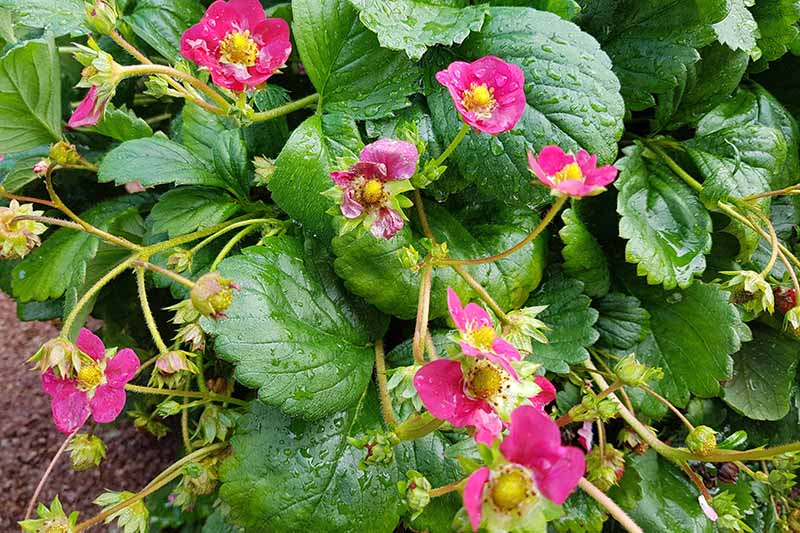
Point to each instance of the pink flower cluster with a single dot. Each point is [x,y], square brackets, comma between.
[480,391]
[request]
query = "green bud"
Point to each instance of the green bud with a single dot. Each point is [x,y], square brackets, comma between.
[403,392]
[212,294]
[409,258]
[522,328]
[86,451]
[379,446]
[751,290]
[64,153]
[416,492]
[791,320]
[702,440]
[180,260]
[101,15]
[134,518]
[634,374]
[52,520]
[605,471]
[168,408]
[264,169]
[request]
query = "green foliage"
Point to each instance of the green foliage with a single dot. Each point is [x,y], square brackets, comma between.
[160,23]
[187,209]
[583,258]
[56,17]
[122,124]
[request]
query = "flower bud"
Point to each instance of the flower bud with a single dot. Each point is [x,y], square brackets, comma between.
[52,520]
[134,518]
[402,390]
[101,15]
[264,169]
[198,479]
[634,374]
[40,168]
[409,258]
[212,294]
[64,153]
[86,451]
[791,320]
[379,446]
[702,440]
[522,328]
[180,260]
[58,353]
[168,408]
[416,492]
[185,312]
[18,237]
[172,368]
[192,335]
[751,290]
[605,466]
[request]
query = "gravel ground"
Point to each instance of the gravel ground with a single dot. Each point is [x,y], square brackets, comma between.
[28,438]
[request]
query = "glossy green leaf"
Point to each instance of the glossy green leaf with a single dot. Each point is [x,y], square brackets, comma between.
[667,228]
[623,322]
[413,26]
[200,130]
[370,267]
[351,72]
[231,162]
[21,174]
[292,332]
[566,9]
[121,124]
[584,260]
[304,166]
[571,323]
[763,375]
[155,161]
[652,42]
[186,209]
[777,24]
[581,515]
[739,30]
[160,23]
[61,261]
[572,99]
[56,17]
[30,96]
[695,357]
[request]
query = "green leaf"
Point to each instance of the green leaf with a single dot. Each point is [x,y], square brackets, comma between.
[21,174]
[344,61]
[669,499]
[739,30]
[371,268]
[292,331]
[571,323]
[763,375]
[155,161]
[30,96]
[231,162]
[667,228]
[56,17]
[652,42]
[413,26]
[121,124]
[566,9]
[777,23]
[62,259]
[160,23]
[581,515]
[200,130]
[584,260]
[572,100]
[623,322]
[186,209]
[304,166]
[292,475]
[268,137]
[694,356]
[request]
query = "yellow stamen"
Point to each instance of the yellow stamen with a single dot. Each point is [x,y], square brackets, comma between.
[485,382]
[90,376]
[569,172]
[510,489]
[479,99]
[239,49]
[372,191]
[483,338]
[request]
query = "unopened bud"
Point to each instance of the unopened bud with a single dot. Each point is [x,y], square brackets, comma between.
[168,408]
[702,440]
[379,446]
[791,320]
[172,368]
[212,294]
[193,336]
[40,168]
[416,492]
[409,258]
[60,354]
[180,260]
[86,451]
[605,466]
[635,374]
[264,169]
[64,153]
[101,15]
[522,328]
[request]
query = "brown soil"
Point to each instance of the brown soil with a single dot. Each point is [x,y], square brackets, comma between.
[28,438]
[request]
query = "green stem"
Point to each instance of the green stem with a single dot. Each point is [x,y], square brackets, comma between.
[483,293]
[148,315]
[447,489]
[219,232]
[423,309]
[150,68]
[166,272]
[417,426]
[383,389]
[229,246]
[201,373]
[189,237]
[676,168]
[187,394]
[452,146]
[49,220]
[93,290]
[669,405]
[187,440]
[285,109]
[162,479]
[554,209]
[613,509]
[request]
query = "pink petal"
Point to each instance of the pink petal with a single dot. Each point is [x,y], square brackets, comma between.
[552,159]
[505,349]
[370,170]
[547,394]
[602,176]
[456,310]
[70,409]
[477,317]
[91,345]
[249,13]
[586,162]
[488,426]
[399,157]
[350,208]
[387,224]
[88,112]
[533,435]
[707,509]
[107,403]
[574,188]
[586,435]
[273,34]
[342,178]
[472,351]
[558,479]
[440,385]
[533,164]
[122,367]
[53,385]
[473,495]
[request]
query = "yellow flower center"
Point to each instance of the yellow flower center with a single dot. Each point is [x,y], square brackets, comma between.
[483,338]
[479,99]
[484,381]
[372,191]
[90,376]
[55,527]
[239,49]
[510,489]
[569,172]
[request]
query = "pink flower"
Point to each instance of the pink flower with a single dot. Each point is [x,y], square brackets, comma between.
[238,43]
[570,175]
[488,93]
[89,111]
[40,167]
[370,191]
[547,394]
[98,389]
[477,334]
[537,463]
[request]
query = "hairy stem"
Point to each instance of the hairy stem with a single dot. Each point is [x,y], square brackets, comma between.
[383,389]
[610,505]
[47,473]
[669,405]
[229,246]
[148,315]
[185,394]
[285,109]
[174,276]
[423,308]
[452,146]
[150,68]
